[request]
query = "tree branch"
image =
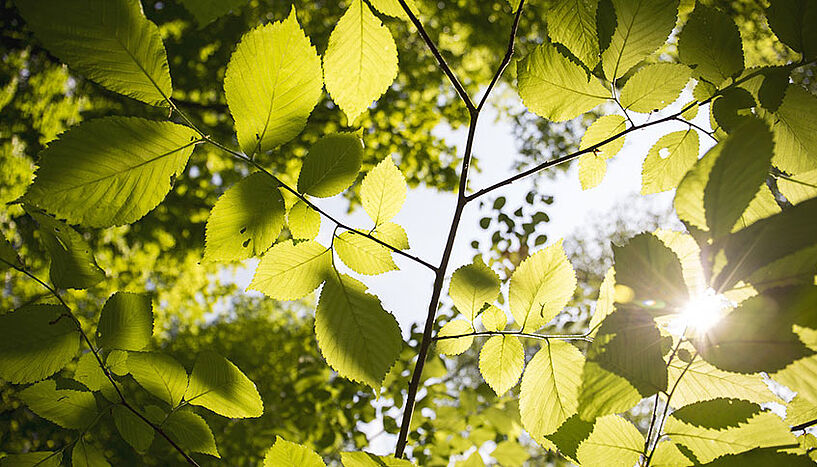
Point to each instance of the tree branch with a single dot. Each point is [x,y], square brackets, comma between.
[105,370]
[564,337]
[505,60]
[303,198]
[436,52]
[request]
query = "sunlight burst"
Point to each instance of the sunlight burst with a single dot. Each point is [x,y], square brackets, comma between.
[702,312]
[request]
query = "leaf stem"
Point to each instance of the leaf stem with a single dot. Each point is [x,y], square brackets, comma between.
[697,127]
[564,337]
[105,370]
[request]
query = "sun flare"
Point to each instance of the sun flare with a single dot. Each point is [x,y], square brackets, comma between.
[702,312]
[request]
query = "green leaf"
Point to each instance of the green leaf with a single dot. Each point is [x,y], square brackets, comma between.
[67,408]
[573,24]
[540,287]
[383,192]
[570,435]
[272,83]
[290,271]
[668,160]
[357,337]
[207,11]
[494,319]
[799,187]
[109,41]
[767,85]
[217,384]
[761,457]
[133,429]
[501,361]
[360,62]
[33,459]
[8,255]
[510,453]
[363,255]
[245,221]
[126,322]
[795,131]
[763,205]
[110,171]
[191,432]
[765,241]
[710,44]
[36,341]
[366,459]
[303,221]
[91,375]
[756,336]
[87,455]
[392,234]
[393,8]
[613,442]
[604,393]
[628,345]
[554,87]
[652,272]
[800,376]
[472,286]
[737,175]
[654,87]
[601,130]
[286,454]
[764,429]
[160,374]
[642,26]
[717,414]
[475,459]
[606,301]
[455,346]
[592,169]
[732,108]
[800,410]
[331,165]
[667,454]
[117,362]
[793,23]
[73,266]
[550,388]
[702,381]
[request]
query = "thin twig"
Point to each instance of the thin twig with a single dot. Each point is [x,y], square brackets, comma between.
[505,60]
[105,370]
[666,406]
[303,198]
[697,127]
[440,59]
[564,337]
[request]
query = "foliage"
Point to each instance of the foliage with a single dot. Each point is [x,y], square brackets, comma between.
[686,323]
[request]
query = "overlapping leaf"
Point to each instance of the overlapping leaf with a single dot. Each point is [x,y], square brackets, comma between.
[160,374]
[290,271]
[540,287]
[286,454]
[217,384]
[654,87]
[126,322]
[500,362]
[573,24]
[65,407]
[710,44]
[455,346]
[331,165]
[191,432]
[363,255]
[73,265]
[472,286]
[613,442]
[383,191]
[668,160]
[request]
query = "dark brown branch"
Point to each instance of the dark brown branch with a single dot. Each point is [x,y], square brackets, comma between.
[505,60]
[440,59]
[105,370]
[803,426]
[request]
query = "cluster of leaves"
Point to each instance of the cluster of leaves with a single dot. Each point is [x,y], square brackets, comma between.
[742,247]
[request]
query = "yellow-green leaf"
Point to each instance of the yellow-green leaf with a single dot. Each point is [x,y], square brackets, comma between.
[501,361]
[286,454]
[331,165]
[472,286]
[613,442]
[363,255]
[573,24]
[383,191]
[126,322]
[457,345]
[654,87]
[668,160]
[290,271]
[217,384]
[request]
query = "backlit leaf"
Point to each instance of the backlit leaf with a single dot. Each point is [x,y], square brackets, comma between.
[668,160]
[761,457]
[642,26]
[710,44]
[33,459]
[570,435]
[494,319]
[207,11]
[289,271]
[245,221]
[799,187]
[8,256]
[455,346]
[191,432]
[701,381]
[126,322]
[383,191]
[272,83]
[500,362]
[795,131]
[109,41]
[393,8]
[303,221]
[110,171]
[36,341]
[363,255]
[654,87]
[366,459]
[217,384]
[793,23]
[133,429]
[717,414]
[331,165]
[554,87]
[613,442]
[73,265]
[592,169]
[550,388]
[652,272]
[286,454]
[472,286]
[573,24]
[65,407]
[540,287]
[160,374]
[603,129]
[357,337]
[87,455]
[360,61]
[392,234]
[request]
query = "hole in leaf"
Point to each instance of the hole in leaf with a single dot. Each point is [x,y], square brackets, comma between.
[663,153]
